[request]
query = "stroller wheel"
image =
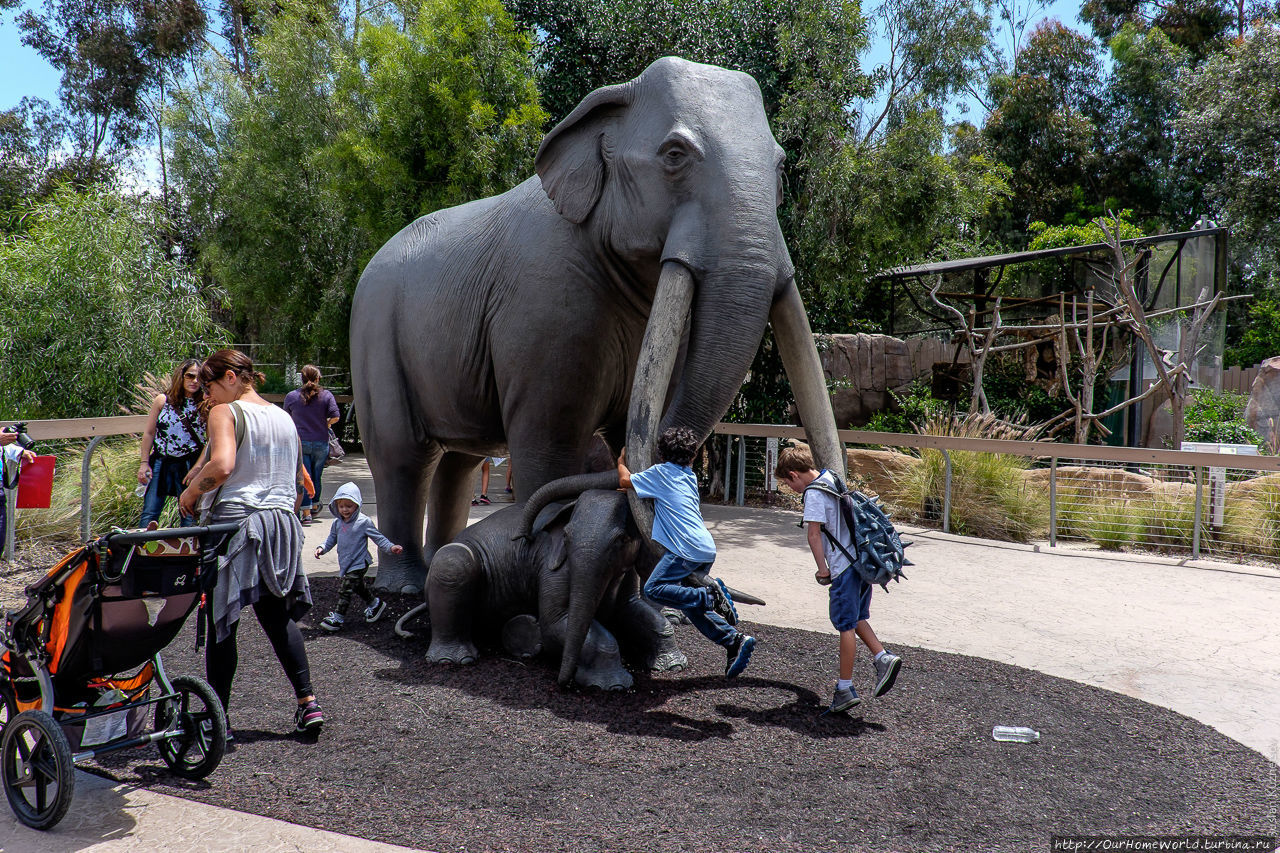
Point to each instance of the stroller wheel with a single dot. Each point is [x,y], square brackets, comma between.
[196,728]
[39,774]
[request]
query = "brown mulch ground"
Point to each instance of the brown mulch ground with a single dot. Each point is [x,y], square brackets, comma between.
[495,757]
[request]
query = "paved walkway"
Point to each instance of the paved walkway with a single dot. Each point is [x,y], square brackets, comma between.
[1198,637]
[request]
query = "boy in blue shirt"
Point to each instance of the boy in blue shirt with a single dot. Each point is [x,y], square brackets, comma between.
[678,527]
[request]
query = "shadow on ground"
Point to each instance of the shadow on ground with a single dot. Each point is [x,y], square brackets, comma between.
[495,757]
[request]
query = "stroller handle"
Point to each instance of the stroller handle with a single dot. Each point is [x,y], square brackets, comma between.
[137,537]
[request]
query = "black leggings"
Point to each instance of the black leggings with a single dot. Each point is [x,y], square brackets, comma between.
[221,658]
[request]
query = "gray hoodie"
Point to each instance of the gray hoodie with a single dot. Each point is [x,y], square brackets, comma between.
[350,536]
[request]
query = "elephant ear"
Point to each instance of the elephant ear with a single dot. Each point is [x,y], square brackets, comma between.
[571,159]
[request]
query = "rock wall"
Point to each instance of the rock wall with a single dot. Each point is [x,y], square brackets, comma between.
[872,366]
[1263,411]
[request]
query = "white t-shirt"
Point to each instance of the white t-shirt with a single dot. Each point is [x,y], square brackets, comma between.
[825,508]
[266,462]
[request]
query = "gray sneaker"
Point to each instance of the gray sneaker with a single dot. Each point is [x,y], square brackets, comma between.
[843,700]
[886,673]
[374,611]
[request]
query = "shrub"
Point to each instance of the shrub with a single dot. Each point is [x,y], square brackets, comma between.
[1214,416]
[1111,525]
[90,297]
[990,497]
[1168,521]
[913,409]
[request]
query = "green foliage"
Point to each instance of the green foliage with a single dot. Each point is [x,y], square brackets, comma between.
[296,173]
[1056,274]
[90,299]
[1043,126]
[437,111]
[1014,398]
[1111,525]
[1214,416]
[1142,98]
[1227,133]
[1261,338]
[912,410]
[991,496]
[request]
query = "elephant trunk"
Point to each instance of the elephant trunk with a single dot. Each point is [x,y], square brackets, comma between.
[598,551]
[557,490]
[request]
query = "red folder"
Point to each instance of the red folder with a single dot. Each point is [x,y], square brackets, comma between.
[35,486]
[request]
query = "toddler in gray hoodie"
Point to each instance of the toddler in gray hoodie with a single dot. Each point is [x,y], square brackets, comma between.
[351,531]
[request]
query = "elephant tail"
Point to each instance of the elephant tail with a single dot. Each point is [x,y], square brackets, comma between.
[558,490]
[400,629]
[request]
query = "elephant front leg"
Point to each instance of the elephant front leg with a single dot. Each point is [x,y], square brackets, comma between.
[455,586]
[646,636]
[599,663]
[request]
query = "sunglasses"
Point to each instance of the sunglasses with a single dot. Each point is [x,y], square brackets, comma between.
[191,375]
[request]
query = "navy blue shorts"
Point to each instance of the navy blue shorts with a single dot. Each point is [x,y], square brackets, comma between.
[850,600]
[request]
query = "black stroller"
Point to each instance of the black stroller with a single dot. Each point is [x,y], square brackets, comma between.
[79,661]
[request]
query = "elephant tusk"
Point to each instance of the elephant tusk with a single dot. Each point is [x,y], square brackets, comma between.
[738,596]
[657,360]
[800,358]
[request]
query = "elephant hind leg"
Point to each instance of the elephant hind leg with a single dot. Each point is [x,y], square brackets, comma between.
[450,501]
[455,587]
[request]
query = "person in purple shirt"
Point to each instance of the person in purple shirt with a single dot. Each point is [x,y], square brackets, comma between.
[313,410]
[678,527]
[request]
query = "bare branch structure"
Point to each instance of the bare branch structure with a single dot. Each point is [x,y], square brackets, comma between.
[1086,336]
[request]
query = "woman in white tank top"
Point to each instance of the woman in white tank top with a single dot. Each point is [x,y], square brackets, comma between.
[252,480]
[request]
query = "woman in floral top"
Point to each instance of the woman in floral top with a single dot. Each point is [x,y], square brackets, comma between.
[172,442]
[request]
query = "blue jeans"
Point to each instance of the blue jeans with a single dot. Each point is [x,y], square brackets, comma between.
[153,501]
[666,586]
[314,455]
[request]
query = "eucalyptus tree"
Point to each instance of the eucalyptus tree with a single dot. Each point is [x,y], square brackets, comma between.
[301,150]
[90,299]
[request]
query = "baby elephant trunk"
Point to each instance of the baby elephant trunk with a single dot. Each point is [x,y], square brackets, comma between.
[559,490]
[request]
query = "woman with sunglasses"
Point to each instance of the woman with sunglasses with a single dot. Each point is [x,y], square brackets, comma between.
[175,435]
[253,468]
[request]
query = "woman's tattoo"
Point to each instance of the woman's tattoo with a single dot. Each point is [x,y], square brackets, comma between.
[206,484]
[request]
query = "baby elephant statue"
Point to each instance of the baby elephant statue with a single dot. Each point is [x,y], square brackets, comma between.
[550,576]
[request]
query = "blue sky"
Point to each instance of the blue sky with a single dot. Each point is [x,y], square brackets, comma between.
[23,72]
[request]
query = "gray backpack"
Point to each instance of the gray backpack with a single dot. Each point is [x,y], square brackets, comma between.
[878,550]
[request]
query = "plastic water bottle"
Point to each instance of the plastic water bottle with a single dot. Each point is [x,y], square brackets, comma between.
[141,491]
[1018,734]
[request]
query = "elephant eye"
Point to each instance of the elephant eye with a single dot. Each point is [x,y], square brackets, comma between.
[674,156]
[677,151]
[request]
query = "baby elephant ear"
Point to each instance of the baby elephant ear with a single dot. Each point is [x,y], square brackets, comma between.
[571,161]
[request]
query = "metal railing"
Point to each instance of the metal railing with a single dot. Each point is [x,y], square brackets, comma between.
[1179,501]
[1168,500]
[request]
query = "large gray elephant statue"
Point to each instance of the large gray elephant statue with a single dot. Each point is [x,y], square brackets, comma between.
[623,288]
[554,575]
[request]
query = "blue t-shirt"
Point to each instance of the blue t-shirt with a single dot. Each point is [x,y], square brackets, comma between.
[677,519]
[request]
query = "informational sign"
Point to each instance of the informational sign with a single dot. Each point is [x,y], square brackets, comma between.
[1218,476]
